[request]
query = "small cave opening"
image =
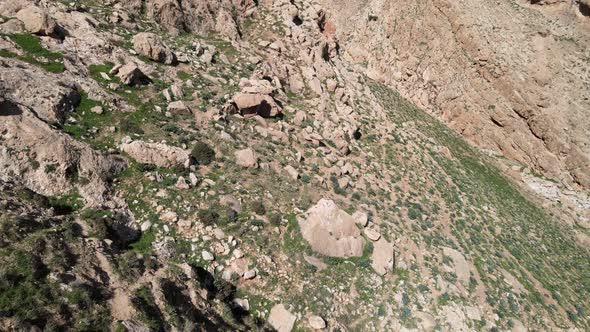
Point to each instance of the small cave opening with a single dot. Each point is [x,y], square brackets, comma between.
[297,20]
[584,8]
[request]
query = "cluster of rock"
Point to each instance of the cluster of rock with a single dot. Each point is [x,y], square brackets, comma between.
[255,98]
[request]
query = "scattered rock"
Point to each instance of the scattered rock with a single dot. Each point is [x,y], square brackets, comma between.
[243,304]
[181,183]
[178,108]
[361,218]
[145,226]
[263,105]
[383,256]
[250,274]
[293,174]
[96,110]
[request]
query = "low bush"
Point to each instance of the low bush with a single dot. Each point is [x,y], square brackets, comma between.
[202,154]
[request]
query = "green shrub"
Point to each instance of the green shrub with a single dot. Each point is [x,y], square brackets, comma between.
[208,216]
[275,219]
[258,208]
[202,154]
[231,215]
[128,126]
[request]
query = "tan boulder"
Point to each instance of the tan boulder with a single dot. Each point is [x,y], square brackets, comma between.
[151,45]
[383,257]
[281,319]
[178,107]
[246,158]
[37,21]
[331,231]
[131,75]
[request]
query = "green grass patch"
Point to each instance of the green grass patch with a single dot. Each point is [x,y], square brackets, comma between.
[36,54]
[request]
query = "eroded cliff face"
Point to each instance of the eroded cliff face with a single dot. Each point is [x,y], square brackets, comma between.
[510,76]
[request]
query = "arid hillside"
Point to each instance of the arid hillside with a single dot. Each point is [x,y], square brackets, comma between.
[275,165]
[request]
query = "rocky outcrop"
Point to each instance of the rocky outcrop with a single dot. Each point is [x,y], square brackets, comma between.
[50,97]
[49,162]
[331,231]
[158,154]
[151,45]
[200,16]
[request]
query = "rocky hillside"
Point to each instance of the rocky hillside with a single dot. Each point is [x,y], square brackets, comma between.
[172,165]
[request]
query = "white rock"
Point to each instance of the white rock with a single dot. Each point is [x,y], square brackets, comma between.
[207,256]
[146,226]
[317,323]
[292,172]
[242,303]
[250,274]
[238,253]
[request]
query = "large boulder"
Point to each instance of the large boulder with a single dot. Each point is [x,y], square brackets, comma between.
[256,103]
[37,21]
[158,154]
[131,75]
[151,45]
[331,231]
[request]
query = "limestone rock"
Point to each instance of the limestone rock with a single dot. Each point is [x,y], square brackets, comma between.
[178,108]
[317,323]
[37,21]
[281,319]
[158,154]
[246,158]
[61,162]
[331,231]
[207,256]
[372,234]
[383,256]
[256,103]
[50,97]
[293,174]
[151,45]
[131,75]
